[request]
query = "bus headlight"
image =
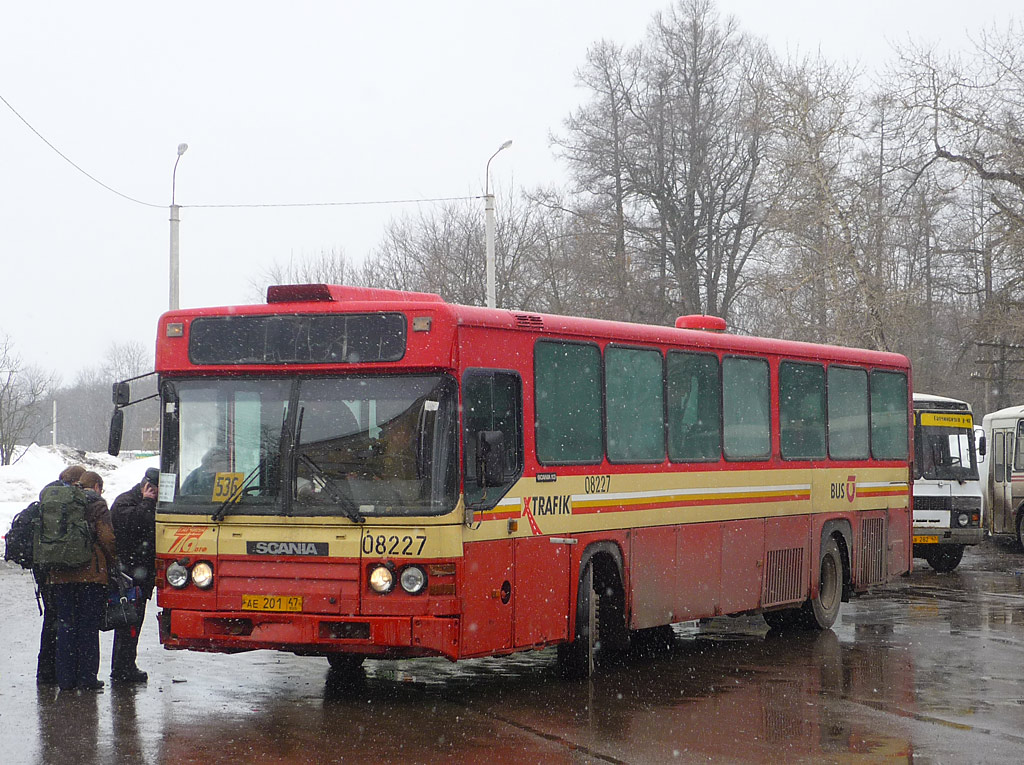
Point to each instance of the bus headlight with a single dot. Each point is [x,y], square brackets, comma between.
[202,575]
[963,519]
[177,575]
[382,579]
[413,579]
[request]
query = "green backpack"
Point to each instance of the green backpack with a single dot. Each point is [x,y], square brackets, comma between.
[62,538]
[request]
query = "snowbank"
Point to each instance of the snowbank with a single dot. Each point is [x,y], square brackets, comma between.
[38,465]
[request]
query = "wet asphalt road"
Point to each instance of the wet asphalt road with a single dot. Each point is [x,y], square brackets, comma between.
[928,670]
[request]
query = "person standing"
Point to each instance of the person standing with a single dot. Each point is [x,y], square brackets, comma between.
[80,597]
[46,662]
[134,517]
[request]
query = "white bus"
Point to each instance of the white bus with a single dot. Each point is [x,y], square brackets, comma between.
[947,489]
[1004,478]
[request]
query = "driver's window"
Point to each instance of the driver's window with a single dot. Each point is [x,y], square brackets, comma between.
[491,401]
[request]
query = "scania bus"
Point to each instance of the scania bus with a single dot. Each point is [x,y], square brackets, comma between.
[354,472]
[947,489]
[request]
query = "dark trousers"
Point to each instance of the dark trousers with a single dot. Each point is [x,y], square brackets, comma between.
[126,645]
[46,664]
[79,615]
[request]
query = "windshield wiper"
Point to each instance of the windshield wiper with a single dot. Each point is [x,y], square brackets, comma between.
[348,505]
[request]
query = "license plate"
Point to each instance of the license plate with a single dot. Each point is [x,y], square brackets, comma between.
[926,540]
[272,602]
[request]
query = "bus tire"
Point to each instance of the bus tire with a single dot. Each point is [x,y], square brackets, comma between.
[576,659]
[1020,528]
[345,662]
[820,612]
[945,558]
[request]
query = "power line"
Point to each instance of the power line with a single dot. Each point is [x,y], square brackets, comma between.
[228,206]
[335,204]
[63,156]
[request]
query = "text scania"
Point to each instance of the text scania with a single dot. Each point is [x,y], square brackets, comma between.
[551,505]
[286,548]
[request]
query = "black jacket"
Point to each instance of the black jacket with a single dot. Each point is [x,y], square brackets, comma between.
[135,531]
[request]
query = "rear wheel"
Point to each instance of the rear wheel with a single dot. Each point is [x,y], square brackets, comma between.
[820,612]
[945,558]
[1020,528]
[576,659]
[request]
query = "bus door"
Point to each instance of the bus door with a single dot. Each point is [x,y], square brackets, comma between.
[541,595]
[1000,483]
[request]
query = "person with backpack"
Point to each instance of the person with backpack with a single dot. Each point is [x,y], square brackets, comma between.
[134,517]
[18,549]
[79,591]
[46,662]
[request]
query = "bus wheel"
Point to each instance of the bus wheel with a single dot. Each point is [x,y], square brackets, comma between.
[345,662]
[1020,528]
[576,659]
[946,558]
[820,612]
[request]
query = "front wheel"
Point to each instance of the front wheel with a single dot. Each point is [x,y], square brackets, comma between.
[1020,528]
[945,558]
[576,659]
[820,612]
[344,662]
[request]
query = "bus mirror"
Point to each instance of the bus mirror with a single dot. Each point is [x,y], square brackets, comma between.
[122,394]
[116,429]
[490,458]
[982,445]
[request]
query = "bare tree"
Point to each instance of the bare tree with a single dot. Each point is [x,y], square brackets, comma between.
[23,390]
[325,267]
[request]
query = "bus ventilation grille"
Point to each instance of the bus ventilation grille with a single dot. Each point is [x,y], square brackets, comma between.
[529,321]
[784,578]
[872,550]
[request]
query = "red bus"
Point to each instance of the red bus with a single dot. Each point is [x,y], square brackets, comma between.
[354,472]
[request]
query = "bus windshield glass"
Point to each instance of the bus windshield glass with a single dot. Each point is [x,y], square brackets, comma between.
[379,446]
[383,445]
[945,453]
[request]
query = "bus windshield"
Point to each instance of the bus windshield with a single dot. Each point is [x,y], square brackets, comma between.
[374,445]
[945,453]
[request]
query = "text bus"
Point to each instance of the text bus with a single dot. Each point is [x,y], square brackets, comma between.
[354,473]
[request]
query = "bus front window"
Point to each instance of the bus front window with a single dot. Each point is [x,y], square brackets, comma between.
[375,446]
[946,454]
[228,431]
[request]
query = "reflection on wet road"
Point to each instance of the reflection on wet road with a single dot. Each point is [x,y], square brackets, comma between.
[927,670]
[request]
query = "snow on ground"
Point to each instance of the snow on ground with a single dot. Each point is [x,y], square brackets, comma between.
[36,466]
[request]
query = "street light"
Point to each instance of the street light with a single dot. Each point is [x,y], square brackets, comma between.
[489,226]
[182,148]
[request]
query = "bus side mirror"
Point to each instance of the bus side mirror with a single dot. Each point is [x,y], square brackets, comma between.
[122,394]
[982,445]
[116,429]
[490,458]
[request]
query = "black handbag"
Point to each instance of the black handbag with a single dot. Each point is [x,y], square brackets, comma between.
[123,603]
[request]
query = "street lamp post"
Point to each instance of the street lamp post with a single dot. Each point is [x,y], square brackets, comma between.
[489,226]
[175,220]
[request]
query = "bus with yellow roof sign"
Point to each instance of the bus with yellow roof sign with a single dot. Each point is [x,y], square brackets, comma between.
[947,487]
[363,473]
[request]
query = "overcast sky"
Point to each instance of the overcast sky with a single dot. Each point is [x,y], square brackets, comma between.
[301,102]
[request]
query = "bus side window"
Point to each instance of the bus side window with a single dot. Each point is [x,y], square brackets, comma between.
[492,402]
[1009,456]
[998,470]
[1018,461]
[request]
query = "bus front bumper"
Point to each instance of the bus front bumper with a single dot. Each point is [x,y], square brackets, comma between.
[381,636]
[925,537]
